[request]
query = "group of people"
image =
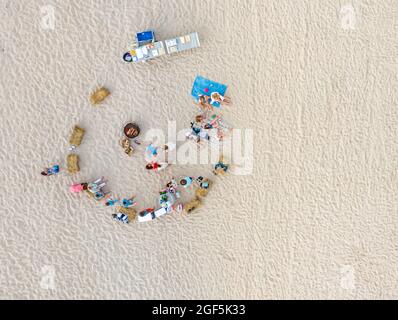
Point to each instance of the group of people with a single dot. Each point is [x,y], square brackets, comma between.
[207,125]
[170,195]
[96,190]
[167,197]
[206,102]
[157,158]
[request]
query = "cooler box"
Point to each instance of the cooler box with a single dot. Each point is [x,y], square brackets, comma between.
[145,37]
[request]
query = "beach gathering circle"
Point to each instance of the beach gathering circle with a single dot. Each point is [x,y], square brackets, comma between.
[169,196]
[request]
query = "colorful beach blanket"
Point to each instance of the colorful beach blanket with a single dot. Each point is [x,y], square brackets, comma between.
[203,86]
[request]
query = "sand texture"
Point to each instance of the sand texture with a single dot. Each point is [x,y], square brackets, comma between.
[317,217]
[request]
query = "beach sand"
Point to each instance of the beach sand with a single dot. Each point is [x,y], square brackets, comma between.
[316,217]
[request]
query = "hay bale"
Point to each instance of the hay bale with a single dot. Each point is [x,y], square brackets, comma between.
[76,136]
[219,172]
[192,205]
[130,212]
[72,161]
[99,95]
[201,193]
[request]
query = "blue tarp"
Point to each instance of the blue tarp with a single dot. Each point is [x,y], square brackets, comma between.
[201,84]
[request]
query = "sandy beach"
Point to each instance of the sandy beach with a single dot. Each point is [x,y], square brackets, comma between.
[315,82]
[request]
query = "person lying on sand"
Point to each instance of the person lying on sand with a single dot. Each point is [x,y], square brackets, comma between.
[204,103]
[156,166]
[128,203]
[223,100]
[50,171]
[110,202]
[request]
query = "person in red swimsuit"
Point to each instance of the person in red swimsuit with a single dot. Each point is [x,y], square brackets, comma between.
[153,166]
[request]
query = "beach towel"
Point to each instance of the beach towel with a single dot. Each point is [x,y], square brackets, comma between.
[203,86]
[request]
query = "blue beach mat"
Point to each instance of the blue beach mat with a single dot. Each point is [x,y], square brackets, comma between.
[200,84]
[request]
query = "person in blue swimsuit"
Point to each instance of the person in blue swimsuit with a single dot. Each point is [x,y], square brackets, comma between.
[51,171]
[111,202]
[203,183]
[220,167]
[128,203]
[153,150]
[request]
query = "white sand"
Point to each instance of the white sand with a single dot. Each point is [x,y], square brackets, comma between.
[317,218]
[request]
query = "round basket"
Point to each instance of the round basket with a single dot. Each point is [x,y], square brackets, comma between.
[128,127]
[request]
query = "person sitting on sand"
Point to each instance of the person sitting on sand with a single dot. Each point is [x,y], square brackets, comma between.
[172,187]
[199,132]
[203,183]
[147,211]
[223,100]
[98,195]
[97,185]
[220,168]
[78,187]
[204,103]
[152,150]
[154,153]
[200,118]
